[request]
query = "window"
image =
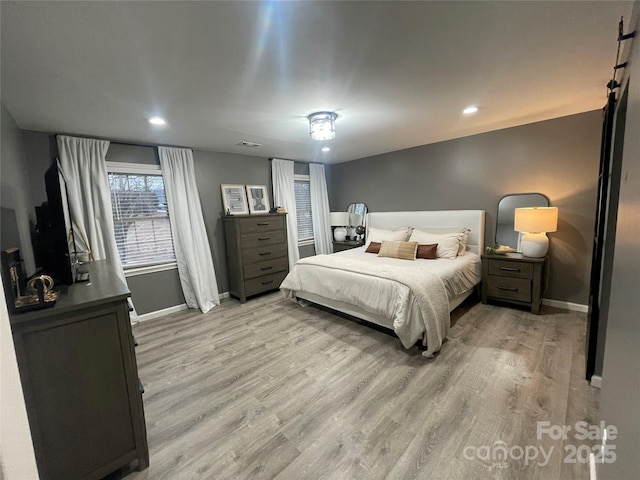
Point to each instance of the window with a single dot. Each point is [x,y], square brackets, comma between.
[140,216]
[303,209]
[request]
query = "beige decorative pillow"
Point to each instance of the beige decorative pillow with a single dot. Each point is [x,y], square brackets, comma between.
[402,250]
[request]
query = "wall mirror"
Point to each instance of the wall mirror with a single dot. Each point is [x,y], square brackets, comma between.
[505,234]
[360,211]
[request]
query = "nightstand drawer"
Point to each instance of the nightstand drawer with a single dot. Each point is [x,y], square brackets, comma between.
[264,268]
[510,269]
[509,288]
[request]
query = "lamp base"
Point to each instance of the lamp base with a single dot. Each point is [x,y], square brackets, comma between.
[339,234]
[534,245]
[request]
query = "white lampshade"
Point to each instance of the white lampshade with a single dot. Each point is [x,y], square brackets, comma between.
[533,223]
[355,219]
[536,219]
[340,219]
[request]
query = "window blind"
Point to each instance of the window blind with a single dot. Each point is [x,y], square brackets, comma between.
[141,219]
[303,210]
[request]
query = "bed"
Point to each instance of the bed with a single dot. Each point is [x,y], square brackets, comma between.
[412,298]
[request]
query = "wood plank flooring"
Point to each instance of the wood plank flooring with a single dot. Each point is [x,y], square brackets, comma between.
[271,390]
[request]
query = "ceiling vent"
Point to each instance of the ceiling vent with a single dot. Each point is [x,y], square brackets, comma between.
[249,144]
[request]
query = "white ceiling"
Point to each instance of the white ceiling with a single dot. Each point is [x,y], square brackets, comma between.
[397,73]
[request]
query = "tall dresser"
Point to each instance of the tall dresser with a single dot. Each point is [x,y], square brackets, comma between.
[80,380]
[256,253]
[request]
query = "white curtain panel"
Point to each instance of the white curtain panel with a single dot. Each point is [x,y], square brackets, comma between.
[320,209]
[193,254]
[83,166]
[284,196]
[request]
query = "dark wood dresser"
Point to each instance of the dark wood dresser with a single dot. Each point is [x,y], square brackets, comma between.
[256,253]
[346,245]
[513,278]
[80,380]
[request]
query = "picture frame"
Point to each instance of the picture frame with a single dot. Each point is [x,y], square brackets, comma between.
[258,198]
[234,199]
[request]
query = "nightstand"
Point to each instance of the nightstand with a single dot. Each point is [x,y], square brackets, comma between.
[346,245]
[513,278]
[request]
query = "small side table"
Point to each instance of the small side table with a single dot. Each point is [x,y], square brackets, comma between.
[346,245]
[513,278]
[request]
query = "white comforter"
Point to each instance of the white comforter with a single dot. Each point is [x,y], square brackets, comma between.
[414,295]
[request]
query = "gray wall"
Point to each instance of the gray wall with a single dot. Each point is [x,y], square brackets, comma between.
[619,400]
[17,458]
[558,158]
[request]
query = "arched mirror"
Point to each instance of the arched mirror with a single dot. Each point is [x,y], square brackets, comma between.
[505,234]
[358,217]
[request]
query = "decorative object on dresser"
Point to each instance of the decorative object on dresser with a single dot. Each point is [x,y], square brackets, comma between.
[505,233]
[346,245]
[534,223]
[340,221]
[80,380]
[256,253]
[258,199]
[513,278]
[234,199]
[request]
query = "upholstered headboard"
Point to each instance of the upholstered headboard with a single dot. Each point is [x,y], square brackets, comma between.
[472,219]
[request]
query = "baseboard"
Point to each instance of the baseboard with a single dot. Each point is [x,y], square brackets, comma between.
[161,313]
[167,311]
[596,381]
[575,307]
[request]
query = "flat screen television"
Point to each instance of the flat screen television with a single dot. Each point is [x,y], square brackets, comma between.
[53,229]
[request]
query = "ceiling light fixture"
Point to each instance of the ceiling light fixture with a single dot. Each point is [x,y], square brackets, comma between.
[322,125]
[157,121]
[470,110]
[326,149]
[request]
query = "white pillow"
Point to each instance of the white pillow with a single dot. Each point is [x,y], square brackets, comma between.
[382,234]
[448,244]
[462,248]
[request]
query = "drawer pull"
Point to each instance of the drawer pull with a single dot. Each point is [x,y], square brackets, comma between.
[262,254]
[263,224]
[264,269]
[509,269]
[264,238]
[266,283]
[510,289]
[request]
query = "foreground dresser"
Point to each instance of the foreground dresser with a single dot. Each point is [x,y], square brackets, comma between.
[80,380]
[256,253]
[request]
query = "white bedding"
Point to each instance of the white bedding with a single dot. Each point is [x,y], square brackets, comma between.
[391,288]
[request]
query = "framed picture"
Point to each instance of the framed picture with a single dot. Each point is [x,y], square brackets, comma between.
[234,200]
[258,198]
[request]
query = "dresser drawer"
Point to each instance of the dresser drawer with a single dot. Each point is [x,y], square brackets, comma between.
[511,269]
[261,224]
[509,288]
[266,267]
[253,240]
[265,283]
[265,252]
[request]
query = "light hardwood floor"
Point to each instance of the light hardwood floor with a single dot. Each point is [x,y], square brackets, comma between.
[271,390]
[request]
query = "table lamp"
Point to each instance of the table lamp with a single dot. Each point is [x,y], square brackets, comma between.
[534,223]
[340,221]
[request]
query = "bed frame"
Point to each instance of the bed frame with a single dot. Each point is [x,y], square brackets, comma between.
[472,219]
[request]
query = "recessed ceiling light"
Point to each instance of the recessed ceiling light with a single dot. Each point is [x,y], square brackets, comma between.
[326,149]
[470,110]
[157,121]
